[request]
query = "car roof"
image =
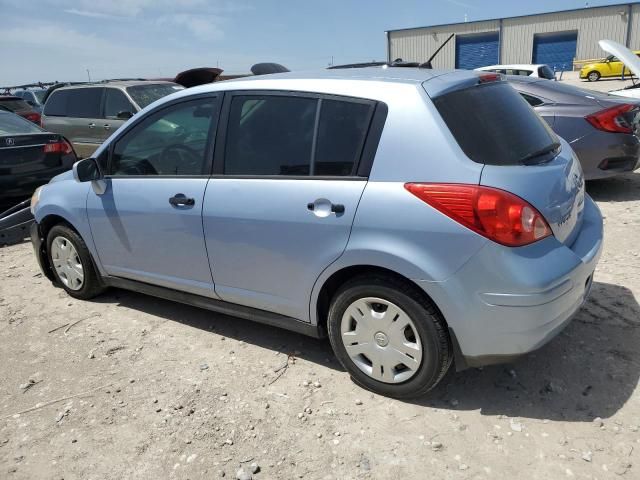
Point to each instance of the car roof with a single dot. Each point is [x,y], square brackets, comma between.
[523,66]
[115,83]
[377,74]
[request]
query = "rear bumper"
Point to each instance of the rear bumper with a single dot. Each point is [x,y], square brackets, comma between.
[506,302]
[605,154]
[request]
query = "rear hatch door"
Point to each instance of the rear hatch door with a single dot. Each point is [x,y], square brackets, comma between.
[496,127]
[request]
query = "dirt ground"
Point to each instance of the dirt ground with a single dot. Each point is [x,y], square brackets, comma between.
[146,389]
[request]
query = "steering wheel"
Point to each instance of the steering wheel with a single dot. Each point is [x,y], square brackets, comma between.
[184,158]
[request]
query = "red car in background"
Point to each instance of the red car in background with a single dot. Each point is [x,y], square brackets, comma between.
[20,107]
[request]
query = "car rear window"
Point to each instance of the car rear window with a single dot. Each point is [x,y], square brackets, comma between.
[15,104]
[493,124]
[12,124]
[145,95]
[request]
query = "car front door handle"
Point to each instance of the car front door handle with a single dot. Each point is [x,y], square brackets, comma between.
[92,125]
[180,200]
[107,126]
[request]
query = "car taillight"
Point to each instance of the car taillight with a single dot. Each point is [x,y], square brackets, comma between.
[612,119]
[496,214]
[62,147]
[33,117]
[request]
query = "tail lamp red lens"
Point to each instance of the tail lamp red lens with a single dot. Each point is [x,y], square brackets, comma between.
[62,147]
[613,119]
[33,117]
[496,214]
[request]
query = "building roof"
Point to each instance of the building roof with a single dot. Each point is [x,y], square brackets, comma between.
[626,4]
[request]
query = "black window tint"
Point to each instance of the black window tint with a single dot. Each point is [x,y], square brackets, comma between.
[493,124]
[84,102]
[172,141]
[270,135]
[56,104]
[341,132]
[116,102]
[531,100]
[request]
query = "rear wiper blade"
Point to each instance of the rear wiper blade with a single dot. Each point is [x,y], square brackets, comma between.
[538,153]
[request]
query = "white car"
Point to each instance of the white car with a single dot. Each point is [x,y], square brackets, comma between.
[631,61]
[525,70]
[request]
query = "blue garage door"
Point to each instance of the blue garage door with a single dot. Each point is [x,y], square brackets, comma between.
[473,51]
[555,49]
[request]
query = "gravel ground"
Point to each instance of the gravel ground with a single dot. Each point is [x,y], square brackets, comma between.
[136,387]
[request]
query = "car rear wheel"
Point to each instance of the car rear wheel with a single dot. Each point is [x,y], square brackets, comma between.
[71,263]
[593,76]
[388,336]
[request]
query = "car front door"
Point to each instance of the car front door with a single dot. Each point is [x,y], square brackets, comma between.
[280,205]
[117,109]
[147,224]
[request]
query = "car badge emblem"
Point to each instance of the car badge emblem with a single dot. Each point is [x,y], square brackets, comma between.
[10,142]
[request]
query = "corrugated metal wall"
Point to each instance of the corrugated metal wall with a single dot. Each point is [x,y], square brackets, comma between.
[417,45]
[635,28]
[592,24]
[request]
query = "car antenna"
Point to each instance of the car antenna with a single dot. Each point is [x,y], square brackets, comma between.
[427,64]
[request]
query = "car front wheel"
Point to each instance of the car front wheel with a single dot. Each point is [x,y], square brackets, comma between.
[593,76]
[71,263]
[388,336]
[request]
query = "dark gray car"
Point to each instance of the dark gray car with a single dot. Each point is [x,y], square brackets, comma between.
[602,129]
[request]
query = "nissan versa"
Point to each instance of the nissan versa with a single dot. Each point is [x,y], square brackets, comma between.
[413,216]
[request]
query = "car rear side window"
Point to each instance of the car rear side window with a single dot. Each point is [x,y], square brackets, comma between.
[341,134]
[56,104]
[85,102]
[493,124]
[270,135]
[279,135]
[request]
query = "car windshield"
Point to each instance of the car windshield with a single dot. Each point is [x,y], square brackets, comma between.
[14,104]
[40,95]
[145,95]
[12,124]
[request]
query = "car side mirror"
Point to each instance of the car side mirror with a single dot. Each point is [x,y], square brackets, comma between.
[86,170]
[124,115]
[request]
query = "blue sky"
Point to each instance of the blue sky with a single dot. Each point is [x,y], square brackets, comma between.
[45,40]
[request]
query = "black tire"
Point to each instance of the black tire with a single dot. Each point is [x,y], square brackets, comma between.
[593,76]
[437,350]
[92,285]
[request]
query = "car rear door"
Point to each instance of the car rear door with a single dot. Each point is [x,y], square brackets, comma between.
[147,223]
[288,175]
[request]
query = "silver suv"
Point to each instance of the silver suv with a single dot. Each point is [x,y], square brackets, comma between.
[88,114]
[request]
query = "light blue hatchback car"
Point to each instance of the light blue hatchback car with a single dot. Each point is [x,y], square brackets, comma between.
[415,217]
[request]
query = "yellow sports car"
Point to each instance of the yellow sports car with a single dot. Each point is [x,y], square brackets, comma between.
[608,67]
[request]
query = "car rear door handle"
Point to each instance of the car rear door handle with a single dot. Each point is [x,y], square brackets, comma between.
[92,125]
[107,126]
[180,200]
[322,207]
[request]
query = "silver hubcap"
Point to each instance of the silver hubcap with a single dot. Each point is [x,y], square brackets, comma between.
[67,263]
[381,339]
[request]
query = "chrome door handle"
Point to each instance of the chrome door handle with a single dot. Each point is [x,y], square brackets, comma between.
[92,125]
[323,207]
[107,126]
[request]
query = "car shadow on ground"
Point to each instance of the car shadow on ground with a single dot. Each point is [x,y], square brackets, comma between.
[617,189]
[590,370]
[264,336]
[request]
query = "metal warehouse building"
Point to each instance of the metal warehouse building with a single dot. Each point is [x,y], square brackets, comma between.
[557,38]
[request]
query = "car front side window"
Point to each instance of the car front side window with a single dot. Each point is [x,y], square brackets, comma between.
[172,141]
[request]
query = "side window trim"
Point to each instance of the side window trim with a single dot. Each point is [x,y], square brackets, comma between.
[366,151]
[212,135]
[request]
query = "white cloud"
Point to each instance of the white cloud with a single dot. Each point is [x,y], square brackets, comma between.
[204,27]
